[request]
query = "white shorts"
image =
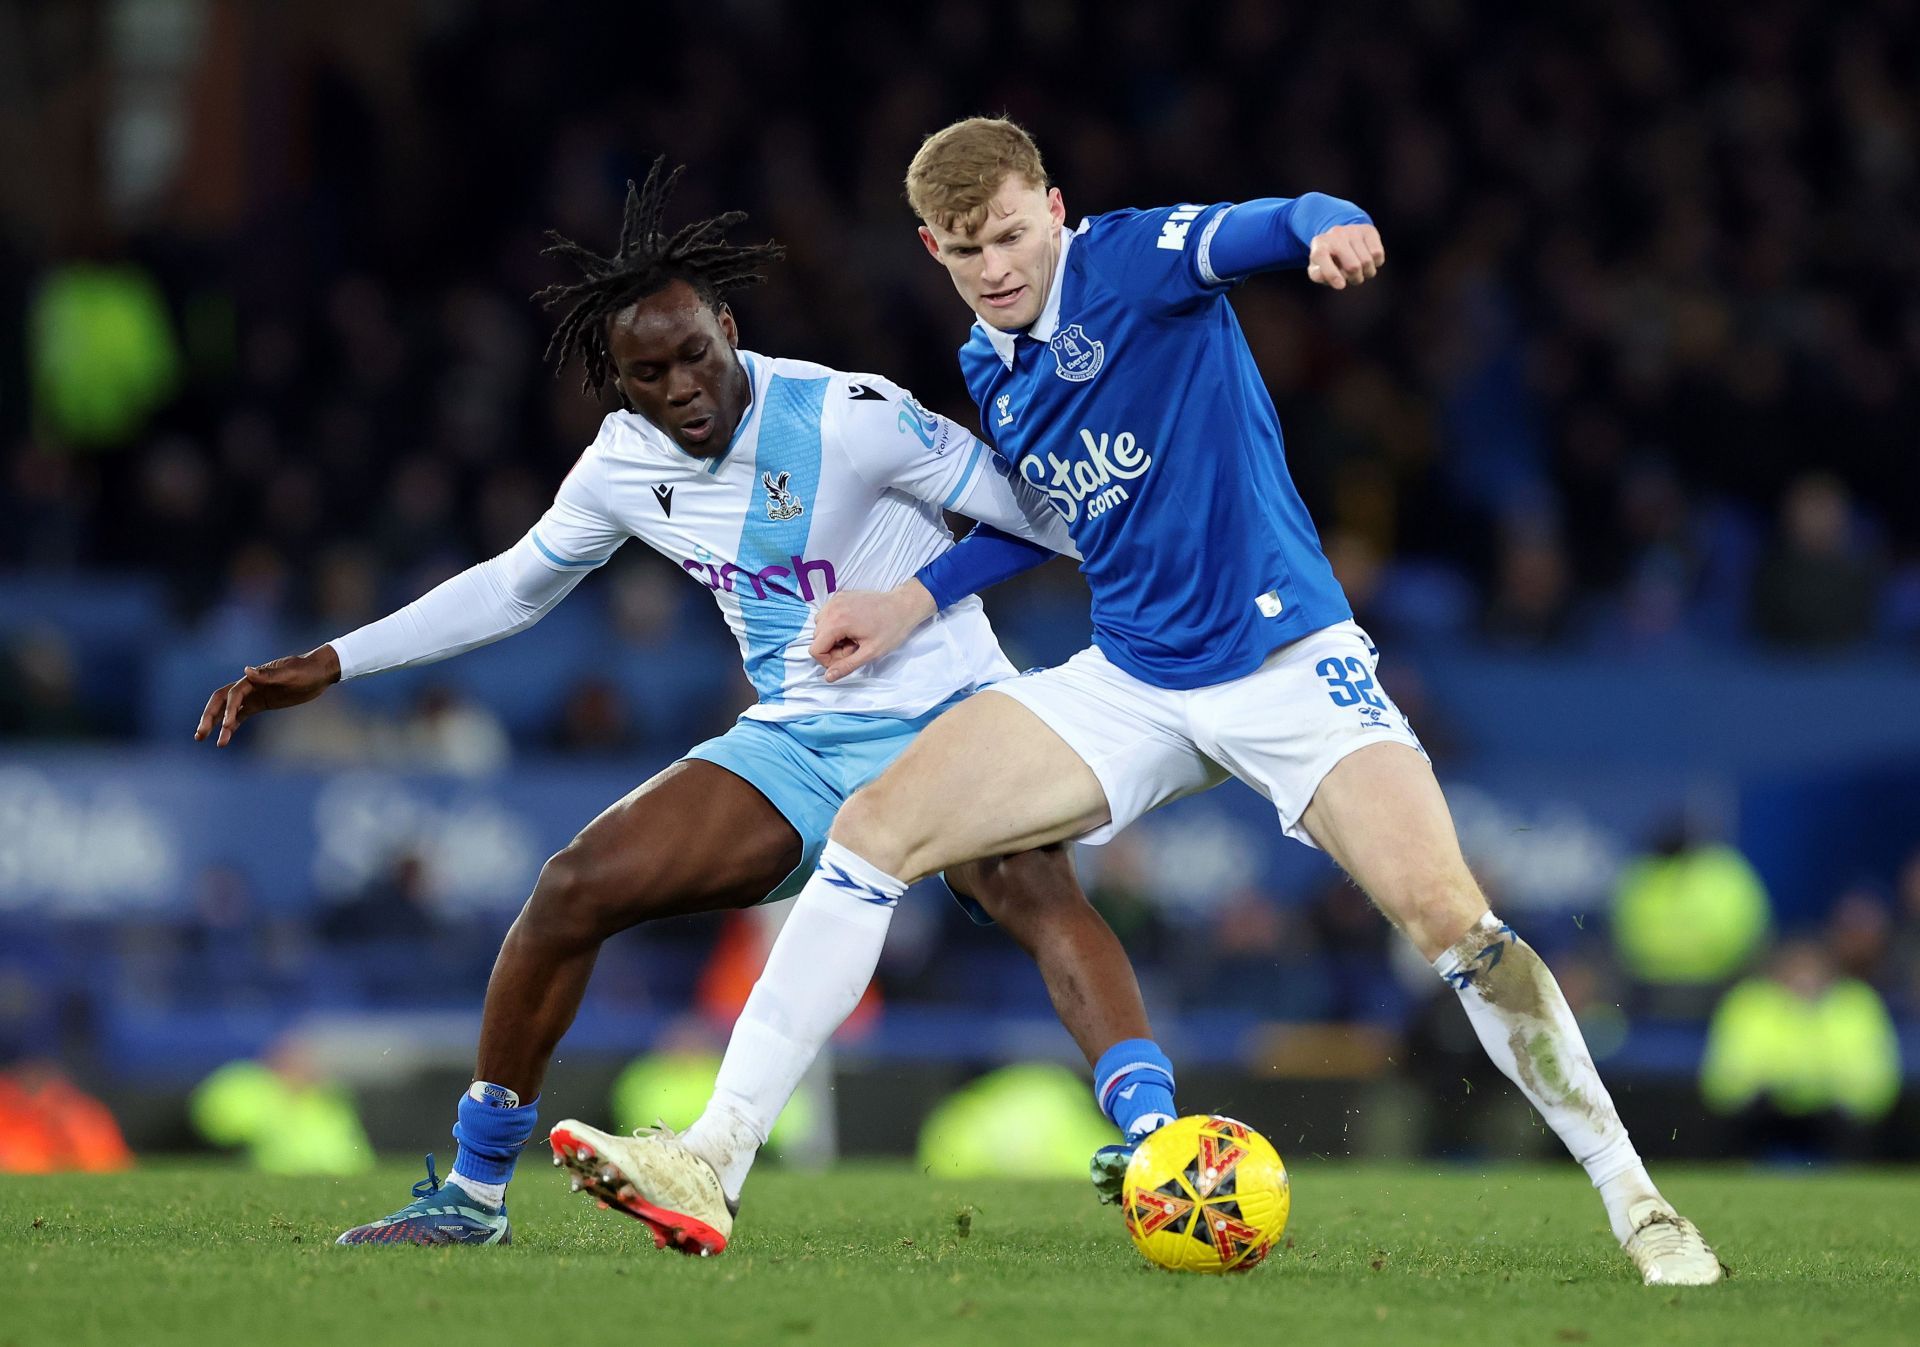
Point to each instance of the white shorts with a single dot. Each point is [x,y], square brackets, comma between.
[1280,729]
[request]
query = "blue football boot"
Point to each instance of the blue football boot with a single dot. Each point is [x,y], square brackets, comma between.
[437,1215]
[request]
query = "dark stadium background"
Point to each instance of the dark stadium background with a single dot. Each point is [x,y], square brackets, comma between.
[1618,461]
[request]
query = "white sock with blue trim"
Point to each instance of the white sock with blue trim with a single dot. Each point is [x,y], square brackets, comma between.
[815,975]
[1524,1023]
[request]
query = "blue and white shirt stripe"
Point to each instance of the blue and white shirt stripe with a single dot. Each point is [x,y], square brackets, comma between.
[833,481]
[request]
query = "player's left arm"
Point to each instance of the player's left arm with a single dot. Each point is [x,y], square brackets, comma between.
[1182,258]
[1335,239]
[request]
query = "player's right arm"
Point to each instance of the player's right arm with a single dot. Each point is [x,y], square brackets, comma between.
[496,598]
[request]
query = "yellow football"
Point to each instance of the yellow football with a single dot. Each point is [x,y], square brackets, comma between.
[1206,1194]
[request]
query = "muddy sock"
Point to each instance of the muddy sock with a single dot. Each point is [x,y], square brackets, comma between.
[1524,1023]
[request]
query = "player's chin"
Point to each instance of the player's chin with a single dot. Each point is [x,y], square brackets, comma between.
[1014,318]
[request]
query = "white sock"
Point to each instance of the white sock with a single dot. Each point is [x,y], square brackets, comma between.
[815,975]
[487,1194]
[1526,1027]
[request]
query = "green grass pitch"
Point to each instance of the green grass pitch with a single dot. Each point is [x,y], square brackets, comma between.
[186,1253]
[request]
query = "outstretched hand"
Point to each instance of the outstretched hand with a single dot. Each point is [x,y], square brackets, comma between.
[858,626]
[287,681]
[1345,255]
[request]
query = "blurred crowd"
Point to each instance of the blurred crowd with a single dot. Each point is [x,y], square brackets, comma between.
[1640,377]
[1791,1032]
[1641,373]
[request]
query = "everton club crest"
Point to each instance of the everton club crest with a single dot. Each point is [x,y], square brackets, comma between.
[1076,356]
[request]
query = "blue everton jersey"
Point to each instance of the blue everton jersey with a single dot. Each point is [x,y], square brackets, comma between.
[1134,403]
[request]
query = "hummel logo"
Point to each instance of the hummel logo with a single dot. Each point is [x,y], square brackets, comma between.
[1004,403]
[663,492]
[861,393]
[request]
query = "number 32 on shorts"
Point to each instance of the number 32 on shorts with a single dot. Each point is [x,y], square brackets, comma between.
[1350,681]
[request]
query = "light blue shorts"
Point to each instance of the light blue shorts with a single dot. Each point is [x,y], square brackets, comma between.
[808,767]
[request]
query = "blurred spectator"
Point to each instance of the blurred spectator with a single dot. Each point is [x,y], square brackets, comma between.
[286,1116]
[1818,588]
[1531,606]
[1686,919]
[1859,932]
[446,731]
[49,1125]
[595,721]
[1030,1121]
[674,1082]
[38,695]
[1352,940]
[331,731]
[1807,1060]
[103,352]
[395,906]
[1258,957]
[1905,953]
[1118,887]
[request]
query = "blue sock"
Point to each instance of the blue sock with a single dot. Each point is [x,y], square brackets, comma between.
[493,1126]
[1133,1082]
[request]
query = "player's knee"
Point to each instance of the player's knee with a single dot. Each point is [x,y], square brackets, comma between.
[1436,913]
[580,899]
[868,826]
[1024,894]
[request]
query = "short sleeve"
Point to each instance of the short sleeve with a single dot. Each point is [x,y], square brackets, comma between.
[894,442]
[1156,258]
[578,531]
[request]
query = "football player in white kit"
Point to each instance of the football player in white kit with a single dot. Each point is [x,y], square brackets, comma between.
[772,483]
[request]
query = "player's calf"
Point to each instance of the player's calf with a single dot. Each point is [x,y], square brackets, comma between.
[1523,1021]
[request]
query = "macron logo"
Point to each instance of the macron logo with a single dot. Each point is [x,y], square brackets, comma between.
[1173,234]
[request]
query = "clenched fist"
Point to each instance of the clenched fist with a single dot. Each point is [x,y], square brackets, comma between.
[1345,255]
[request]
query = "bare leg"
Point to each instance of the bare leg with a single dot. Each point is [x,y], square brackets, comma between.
[986,779]
[1381,815]
[696,838]
[1035,897]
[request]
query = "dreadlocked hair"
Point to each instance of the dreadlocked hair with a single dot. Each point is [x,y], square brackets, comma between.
[645,262]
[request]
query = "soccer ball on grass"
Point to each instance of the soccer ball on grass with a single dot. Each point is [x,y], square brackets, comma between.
[1205,1194]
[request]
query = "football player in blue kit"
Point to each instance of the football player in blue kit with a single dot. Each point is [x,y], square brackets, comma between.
[1111,373]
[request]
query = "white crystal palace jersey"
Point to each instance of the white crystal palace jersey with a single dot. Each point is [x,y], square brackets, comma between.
[832,481]
[1134,402]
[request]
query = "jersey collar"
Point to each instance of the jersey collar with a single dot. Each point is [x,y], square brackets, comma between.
[1043,327]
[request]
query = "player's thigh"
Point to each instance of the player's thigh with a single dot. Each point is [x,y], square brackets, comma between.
[985,779]
[1380,814]
[695,838]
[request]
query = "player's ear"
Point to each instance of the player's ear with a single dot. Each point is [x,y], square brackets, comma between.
[932,243]
[1056,206]
[729,327]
